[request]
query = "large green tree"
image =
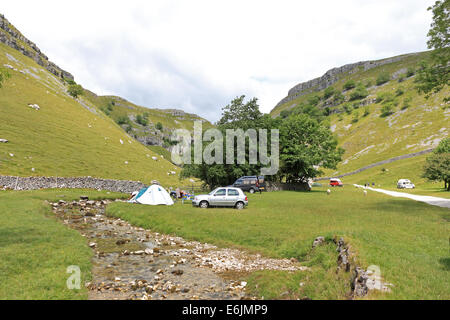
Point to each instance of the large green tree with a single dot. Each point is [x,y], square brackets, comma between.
[437,167]
[306,145]
[433,76]
[239,114]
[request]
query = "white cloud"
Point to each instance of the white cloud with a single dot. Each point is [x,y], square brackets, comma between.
[198,55]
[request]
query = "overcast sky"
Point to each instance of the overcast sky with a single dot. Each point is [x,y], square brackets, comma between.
[198,55]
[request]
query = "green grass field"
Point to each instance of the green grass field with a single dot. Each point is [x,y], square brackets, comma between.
[36,249]
[406,239]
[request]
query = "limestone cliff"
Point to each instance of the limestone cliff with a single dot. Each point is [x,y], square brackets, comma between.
[10,36]
[333,75]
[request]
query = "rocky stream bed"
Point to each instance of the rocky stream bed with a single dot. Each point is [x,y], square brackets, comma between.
[134,263]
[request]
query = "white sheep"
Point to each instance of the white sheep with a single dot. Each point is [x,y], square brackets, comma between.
[365,192]
[155,158]
[328,192]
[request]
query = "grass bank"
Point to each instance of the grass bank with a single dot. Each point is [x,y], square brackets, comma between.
[406,239]
[36,249]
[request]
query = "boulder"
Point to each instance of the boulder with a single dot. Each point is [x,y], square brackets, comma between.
[318,241]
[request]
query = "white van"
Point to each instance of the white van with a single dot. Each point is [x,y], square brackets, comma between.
[405,184]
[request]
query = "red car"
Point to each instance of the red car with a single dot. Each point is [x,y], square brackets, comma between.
[336,183]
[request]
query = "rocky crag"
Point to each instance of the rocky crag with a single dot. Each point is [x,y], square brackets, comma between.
[333,75]
[10,36]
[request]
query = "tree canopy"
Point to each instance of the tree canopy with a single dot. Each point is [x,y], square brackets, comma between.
[435,75]
[305,144]
[437,167]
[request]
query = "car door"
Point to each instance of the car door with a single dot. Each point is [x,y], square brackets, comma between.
[232,197]
[219,198]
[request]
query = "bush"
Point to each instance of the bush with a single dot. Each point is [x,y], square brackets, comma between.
[399,91]
[338,98]
[360,93]
[159,126]
[366,111]
[387,110]
[355,116]
[314,100]
[75,90]
[141,120]
[348,108]
[123,120]
[350,84]
[285,113]
[406,103]
[385,97]
[327,111]
[328,93]
[129,128]
[383,78]
[411,71]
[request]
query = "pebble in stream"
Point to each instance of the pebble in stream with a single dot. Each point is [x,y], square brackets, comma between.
[133,263]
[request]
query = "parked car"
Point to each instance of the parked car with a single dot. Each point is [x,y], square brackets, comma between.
[405,184]
[250,184]
[336,182]
[222,197]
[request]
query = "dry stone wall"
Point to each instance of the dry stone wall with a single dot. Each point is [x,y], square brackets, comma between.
[37,183]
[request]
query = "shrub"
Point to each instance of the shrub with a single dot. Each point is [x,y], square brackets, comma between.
[348,108]
[355,116]
[360,93]
[411,71]
[314,100]
[129,128]
[399,91]
[123,120]
[327,111]
[350,84]
[328,93]
[387,110]
[406,103]
[383,78]
[338,98]
[159,126]
[75,90]
[385,97]
[285,113]
[366,111]
[141,120]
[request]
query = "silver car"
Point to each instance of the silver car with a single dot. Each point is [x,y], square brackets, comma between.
[222,197]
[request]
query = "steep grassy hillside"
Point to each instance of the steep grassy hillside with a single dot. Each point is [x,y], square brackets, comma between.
[410,122]
[66,137]
[152,127]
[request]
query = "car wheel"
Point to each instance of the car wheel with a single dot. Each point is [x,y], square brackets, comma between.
[240,205]
[204,204]
[252,191]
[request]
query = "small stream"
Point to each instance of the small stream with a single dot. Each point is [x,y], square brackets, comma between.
[137,264]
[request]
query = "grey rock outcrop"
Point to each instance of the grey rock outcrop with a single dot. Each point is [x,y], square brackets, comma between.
[333,75]
[10,36]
